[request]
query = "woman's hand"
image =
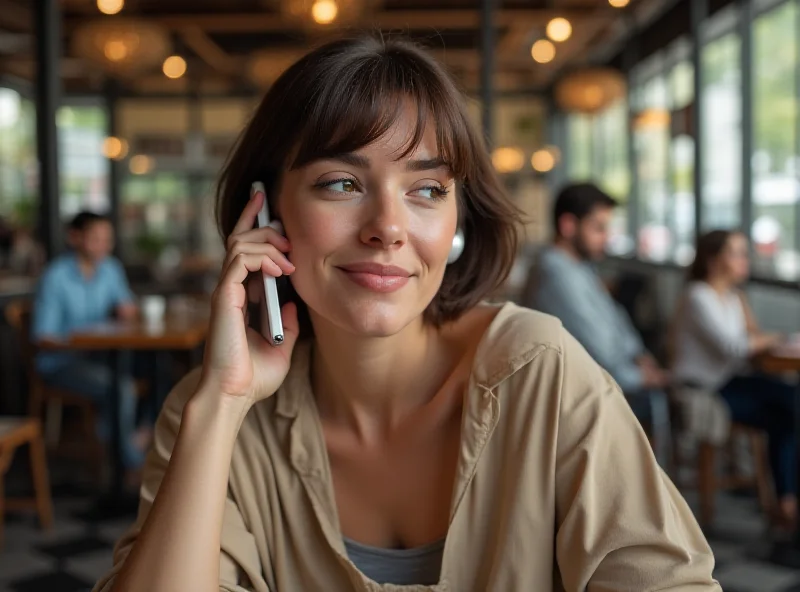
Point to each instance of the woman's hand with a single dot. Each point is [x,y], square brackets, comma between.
[239,363]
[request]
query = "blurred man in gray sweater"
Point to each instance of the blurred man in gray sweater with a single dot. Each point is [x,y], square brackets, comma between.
[566,285]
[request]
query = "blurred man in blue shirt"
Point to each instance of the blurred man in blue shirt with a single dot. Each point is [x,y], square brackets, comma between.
[84,287]
[565,284]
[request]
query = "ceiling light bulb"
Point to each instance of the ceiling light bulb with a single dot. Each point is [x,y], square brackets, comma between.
[110,6]
[543,51]
[619,3]
[324,11]
[559,29]
[543,161]
[174,67]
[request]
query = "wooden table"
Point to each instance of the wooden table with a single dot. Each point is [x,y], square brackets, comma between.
[783,360]
[177,332]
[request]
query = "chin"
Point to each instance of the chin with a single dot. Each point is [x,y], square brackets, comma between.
[369,318]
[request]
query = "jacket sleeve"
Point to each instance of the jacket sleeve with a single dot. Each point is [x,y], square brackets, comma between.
[621,524]
[239,564]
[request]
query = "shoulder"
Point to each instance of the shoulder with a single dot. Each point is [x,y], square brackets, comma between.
[56,271]
[113,266]
[530,356]
[514,338]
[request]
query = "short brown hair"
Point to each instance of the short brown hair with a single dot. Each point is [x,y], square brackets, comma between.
[709,246]
[345,95]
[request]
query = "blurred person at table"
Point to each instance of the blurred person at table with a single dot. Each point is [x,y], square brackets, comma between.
[716,335]
[81,288]
[401,411]
[565,284]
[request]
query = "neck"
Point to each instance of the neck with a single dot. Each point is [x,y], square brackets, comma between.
[372,384]
[567,247]
[86,265]
[720,284]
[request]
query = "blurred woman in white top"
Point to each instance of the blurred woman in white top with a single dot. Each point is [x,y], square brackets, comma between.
[716,335]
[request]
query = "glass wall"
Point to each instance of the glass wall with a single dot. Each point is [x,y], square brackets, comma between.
[597,148]
[775,156]
[18,164]
[721,118]
[83,169]
[665,113]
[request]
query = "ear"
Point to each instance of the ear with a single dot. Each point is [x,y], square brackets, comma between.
[568,226]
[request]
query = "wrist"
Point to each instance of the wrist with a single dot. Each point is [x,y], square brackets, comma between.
[210,408]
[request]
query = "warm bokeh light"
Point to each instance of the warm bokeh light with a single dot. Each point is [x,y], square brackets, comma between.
[559,29]
[555,151]
[115,50]
[110,6]
[543,161]
[140,164]
[115,148]
[543,51]
[324,11]
[619,3]
[174,67]
[508,159]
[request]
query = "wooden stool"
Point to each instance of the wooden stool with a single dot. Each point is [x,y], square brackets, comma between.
[709,482]
[15,432]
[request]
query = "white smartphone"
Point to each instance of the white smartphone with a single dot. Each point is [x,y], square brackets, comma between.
[271,324]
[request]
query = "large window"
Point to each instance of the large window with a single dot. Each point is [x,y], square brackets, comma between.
[775,155]
[18,169]
[663,135]
[667,111]
[83,168]
[721,118]
[681,206]
[598,152]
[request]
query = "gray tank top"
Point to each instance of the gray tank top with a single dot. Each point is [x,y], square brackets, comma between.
[402,567]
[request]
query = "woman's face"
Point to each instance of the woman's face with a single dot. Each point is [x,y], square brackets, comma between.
[370,232]
[734,261]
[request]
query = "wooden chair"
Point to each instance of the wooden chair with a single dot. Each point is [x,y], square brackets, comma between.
[15,432]
[710,482]
[48,402]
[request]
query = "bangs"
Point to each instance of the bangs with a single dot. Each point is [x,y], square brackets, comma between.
[358,102]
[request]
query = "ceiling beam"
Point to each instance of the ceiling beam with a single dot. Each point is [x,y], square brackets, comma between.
[211,53]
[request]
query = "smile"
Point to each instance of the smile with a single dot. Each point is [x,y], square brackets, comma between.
[376,277]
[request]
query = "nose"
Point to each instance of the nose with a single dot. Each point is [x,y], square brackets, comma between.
[386,226]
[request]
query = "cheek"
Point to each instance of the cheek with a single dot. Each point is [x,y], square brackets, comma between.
[432,241]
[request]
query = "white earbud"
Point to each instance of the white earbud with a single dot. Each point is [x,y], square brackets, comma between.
[458,247]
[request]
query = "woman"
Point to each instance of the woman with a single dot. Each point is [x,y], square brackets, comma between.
[716,335]
[417,437]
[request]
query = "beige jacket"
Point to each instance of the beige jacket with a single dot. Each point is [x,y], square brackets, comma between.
[557,488]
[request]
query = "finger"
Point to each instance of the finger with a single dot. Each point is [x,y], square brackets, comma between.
[270,251]
[268,234]
[249,214]
[255,289]
[244,264]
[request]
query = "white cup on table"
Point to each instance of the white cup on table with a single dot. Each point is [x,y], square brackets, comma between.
[153,308]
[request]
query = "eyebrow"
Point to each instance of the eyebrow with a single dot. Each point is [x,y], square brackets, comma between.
[414,166]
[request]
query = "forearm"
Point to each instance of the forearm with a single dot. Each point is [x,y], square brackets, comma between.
[179,545]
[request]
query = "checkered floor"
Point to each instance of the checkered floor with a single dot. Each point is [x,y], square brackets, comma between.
[76,552]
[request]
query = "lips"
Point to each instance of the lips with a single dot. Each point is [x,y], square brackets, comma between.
[375,276]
